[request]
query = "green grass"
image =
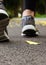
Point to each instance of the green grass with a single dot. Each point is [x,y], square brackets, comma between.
[40,16]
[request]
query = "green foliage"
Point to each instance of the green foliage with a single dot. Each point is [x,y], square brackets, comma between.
[41,6]
[37,15]
[12,6]
[12,3]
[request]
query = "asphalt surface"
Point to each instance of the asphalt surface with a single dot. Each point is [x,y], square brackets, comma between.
[19,52]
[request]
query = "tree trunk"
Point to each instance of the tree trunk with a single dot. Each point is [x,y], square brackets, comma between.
[16,12]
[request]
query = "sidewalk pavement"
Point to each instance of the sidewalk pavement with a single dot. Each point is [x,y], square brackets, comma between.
[18,51]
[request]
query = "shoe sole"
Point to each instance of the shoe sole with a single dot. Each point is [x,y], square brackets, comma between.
[29,30]
[4,39]
[3,12]
[4,18]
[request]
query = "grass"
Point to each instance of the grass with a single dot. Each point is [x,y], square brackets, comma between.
[40,16]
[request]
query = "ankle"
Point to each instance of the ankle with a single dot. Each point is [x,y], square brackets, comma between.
[28,13]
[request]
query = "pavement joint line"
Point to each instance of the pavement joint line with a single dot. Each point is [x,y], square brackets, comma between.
[32,43]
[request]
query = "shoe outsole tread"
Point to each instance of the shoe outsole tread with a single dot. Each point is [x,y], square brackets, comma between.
[30,33]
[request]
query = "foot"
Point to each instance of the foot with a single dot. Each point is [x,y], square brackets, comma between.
[4,21]
[4,37]
[28,26]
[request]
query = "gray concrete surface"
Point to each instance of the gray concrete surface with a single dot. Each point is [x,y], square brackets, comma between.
[18,52]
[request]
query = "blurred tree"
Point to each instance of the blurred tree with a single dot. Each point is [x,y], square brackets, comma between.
[44,4]
[15,5]
[40,6]
[12,5]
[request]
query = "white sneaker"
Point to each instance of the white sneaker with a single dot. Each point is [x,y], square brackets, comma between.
[28,26]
